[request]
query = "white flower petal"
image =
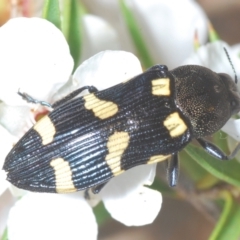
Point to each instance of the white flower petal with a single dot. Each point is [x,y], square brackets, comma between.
[235,49]
[107,9]
[213,56]
[34,56]
[110,11]
[107,69]
[136,208]
[232,128]
[129,181]
[17,192]
[123,190]
[4,184]
[167,26]
[51,216]
[124,184]
[6,202]
[16,119]
[232,144]
[168,32]
[98,35]
[6,142]
[103,70]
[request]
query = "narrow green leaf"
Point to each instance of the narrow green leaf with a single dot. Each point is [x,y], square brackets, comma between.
[72,28]
[212,34]
[227,171]
[51,12]
[202,178]
[227,228]
[5,235]
[136,35]
[193,170]
[101,214]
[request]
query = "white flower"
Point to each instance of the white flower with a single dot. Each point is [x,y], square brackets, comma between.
[49,216]
[19,40]
[38,216]
[167,26]
[128,201]
[34,57]
[98,35]
[6,141]
[213,56]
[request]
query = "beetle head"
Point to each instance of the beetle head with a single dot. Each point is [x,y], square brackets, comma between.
[206,98]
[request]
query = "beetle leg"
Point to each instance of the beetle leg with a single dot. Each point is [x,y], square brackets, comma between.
[70,96]
[95,190]
[30,99]
[172,170]
[98,188]
[216,152]
[86,194]
[73,94]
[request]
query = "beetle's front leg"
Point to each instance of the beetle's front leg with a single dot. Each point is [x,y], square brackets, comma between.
[73,94]
[30,99]
[216,152]
[95,190]
[172,170]
[70,96]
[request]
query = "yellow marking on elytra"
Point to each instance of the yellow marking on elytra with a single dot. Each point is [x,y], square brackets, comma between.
[175,124]
[101,108]
[117,144]
[45,129]
[157,158]
[161,87]
[63,176]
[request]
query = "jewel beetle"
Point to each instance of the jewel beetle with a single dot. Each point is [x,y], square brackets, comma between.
[87,140]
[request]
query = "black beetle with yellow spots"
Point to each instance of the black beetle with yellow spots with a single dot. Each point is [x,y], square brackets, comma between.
[85,141]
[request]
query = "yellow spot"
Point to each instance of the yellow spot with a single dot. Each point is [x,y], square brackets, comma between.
[161,87]
[101,108]
[63,176]
[175,125]
[45,129]
[117,144]
[157,158]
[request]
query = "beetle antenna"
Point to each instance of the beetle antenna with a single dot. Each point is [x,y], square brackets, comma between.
[229,59]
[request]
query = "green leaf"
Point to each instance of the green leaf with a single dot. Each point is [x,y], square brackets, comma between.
[220,139]
[101,214]
[51,12]
[162,187]
[135,32]
[227,171]
[212,34]
[202,178]
[227,228]
[5,235]
[193,170]
[72,28]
